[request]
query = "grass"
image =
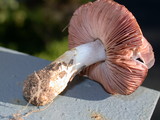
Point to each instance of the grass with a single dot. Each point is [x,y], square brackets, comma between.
[54,49]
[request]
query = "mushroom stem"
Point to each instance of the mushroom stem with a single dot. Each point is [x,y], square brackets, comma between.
[43,86]
[87,54]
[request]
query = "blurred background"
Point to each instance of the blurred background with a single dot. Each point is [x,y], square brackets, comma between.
[39,28]
[36,27]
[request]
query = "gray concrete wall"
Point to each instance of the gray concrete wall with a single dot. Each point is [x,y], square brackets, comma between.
[83,99]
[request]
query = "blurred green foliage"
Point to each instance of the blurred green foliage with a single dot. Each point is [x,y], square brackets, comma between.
[54,49]
[35,26]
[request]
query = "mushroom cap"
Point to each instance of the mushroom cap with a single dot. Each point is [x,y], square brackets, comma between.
[118,30]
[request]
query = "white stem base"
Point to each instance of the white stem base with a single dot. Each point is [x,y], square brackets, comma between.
[43,86]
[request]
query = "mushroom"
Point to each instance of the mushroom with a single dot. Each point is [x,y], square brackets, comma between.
[106,44]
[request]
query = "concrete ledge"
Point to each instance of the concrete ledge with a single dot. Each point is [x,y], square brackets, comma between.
[82,100]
